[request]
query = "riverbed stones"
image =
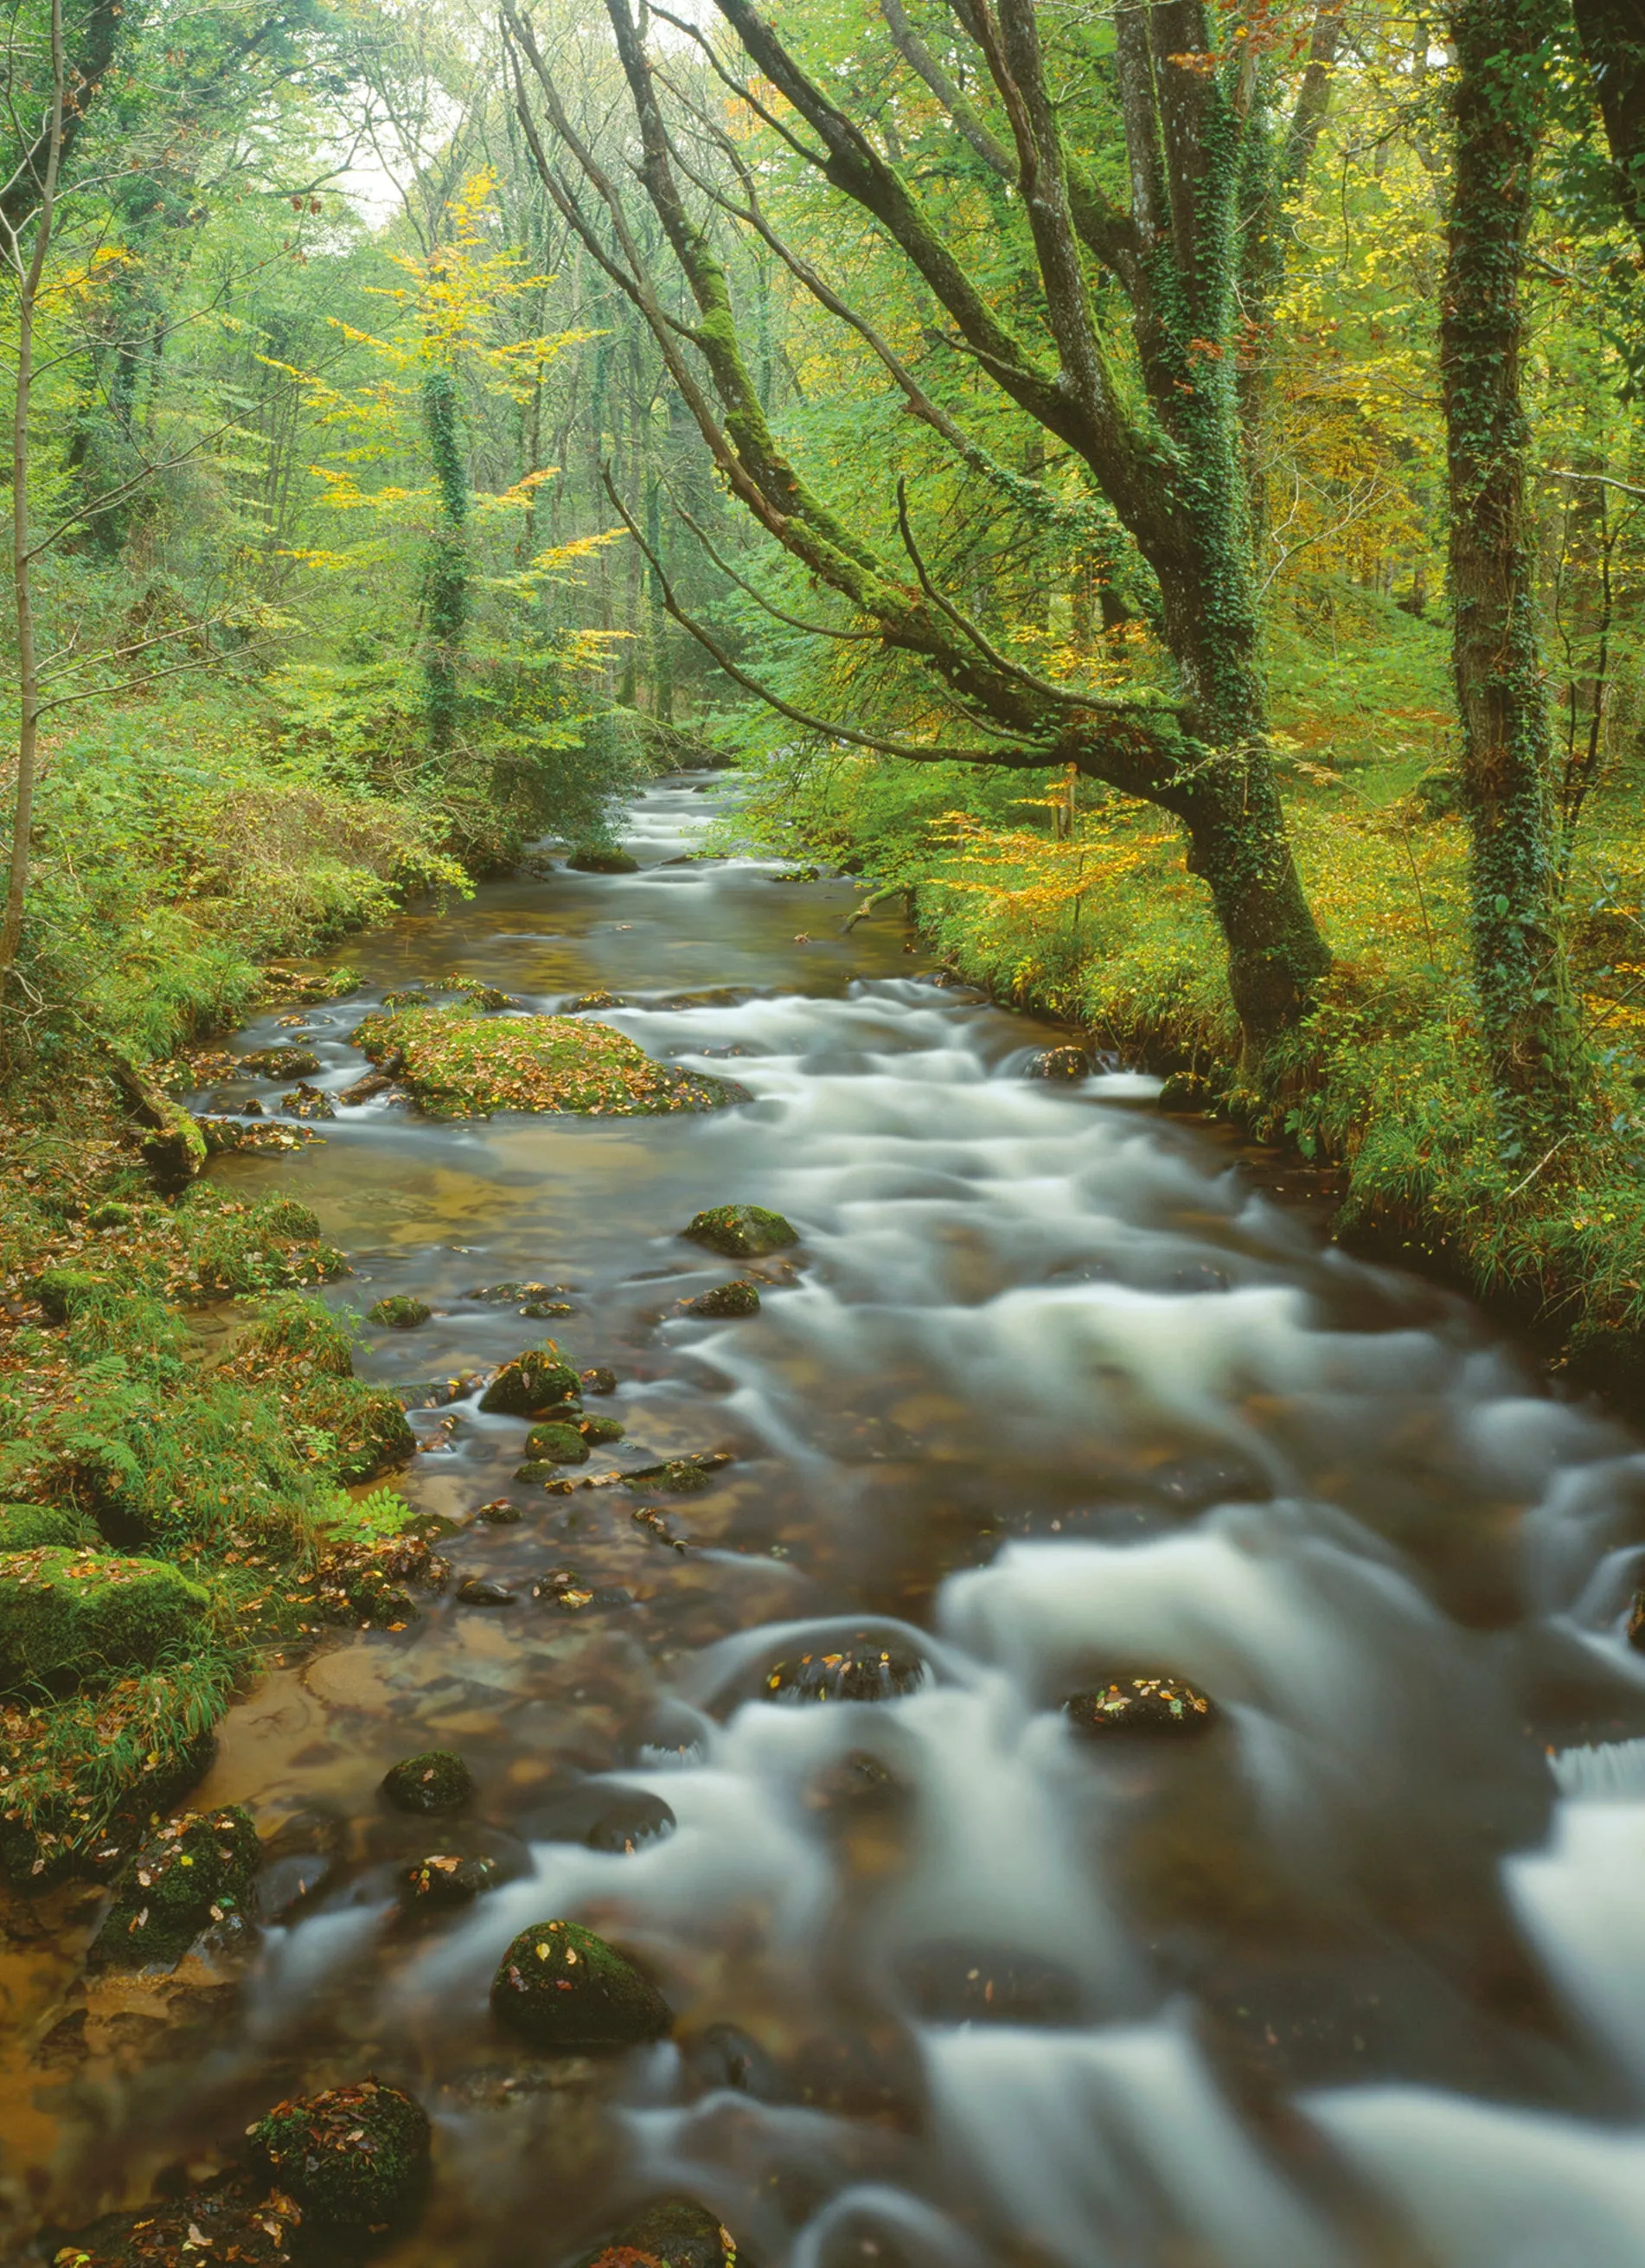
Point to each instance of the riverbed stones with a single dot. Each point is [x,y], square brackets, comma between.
[436,1779]
[68,1614]
[725,1299]
[599,1381]
[602,858]
[458,1061]
[535,1381]
[1065,1063]
[866,1669]
[234,2219]
[481,1590]
[742,1232]
[559,1985]
[679,1476]
[307,1101]
[556,1445]
[1155,1705]
[198,1871]
[598,1431]
[354,2157]
[961,1983]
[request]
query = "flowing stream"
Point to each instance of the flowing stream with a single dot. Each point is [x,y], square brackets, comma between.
[1050,1392]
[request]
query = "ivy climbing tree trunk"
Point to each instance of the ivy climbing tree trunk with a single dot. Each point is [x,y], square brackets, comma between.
[445,596]
[1528,1011]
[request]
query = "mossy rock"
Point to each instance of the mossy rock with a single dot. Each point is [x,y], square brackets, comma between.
[436,1779]
[355,2157]
[726,1299]
[742,1231]
[280,1063]
[400,1312]
[1066,1064]
[674,2233]
[22,1526]
[197,1873]
[678,1476]
[597,1432]
[59,1289]
[556,1445]
[537,1380]
[233,2220]
[67,1615]
[1140,1704]
[443,1880]
[459,1063]
[559,1985]
[599,1381]
[602,858]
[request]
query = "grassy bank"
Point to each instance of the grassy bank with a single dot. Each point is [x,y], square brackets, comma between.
[185,849]
[1104,929]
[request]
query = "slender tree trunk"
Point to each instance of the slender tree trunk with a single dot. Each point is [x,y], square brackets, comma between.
[1528,1012]
[447,583]
[28,274]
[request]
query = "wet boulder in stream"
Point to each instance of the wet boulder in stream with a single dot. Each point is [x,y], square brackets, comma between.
[737,1298]
[354,2157]
[675,2233]
[556,1445]
[1141,1705]
[602,858]
[434,1780]
[399,1312]
[559,1985]
[867,1670]
[445,1880]
[251,2223]
[1065,1063]
[742,1232]
[535,1381]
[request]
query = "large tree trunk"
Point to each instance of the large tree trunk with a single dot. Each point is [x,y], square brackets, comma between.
[1612,33]
[1528,1013]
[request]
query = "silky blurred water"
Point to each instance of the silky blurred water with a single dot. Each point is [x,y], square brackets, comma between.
[1047,1393]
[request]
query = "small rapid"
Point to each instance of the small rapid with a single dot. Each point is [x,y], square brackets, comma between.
[1049,1393]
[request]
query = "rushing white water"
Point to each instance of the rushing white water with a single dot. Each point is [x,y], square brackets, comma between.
[1053,1396]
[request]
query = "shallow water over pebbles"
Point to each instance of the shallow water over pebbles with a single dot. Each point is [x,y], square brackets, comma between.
[1047,1394]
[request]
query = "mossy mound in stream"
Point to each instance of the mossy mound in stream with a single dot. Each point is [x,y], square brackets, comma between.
[399,1313]
[355,2157]
[68,1616]
[602,858]
[459,1062]
[196,1873]
[556,1445]
[739,1298]
[742,1232]
[559,1985]
[436,1780]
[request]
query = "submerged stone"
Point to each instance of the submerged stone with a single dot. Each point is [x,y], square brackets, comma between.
[355,2157]
[399,1313]
[459,1062]
[498,1295]
[365,1089]
[434,1780]
[725,2055]
[199,1871]
[481,1591]
[559,1985]
[856,1786]
[1058,1062]
[534,1380]
[738,1299]
[556,1445]
[865,1670]
[964,1984]
[306,1101]
[679,1476]
[500,1512]
[234,2219]
[69,1613]
[742,1231]
[599,1381]
[1141,1705]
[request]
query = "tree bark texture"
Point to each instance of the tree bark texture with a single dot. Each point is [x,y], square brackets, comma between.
[1520,973]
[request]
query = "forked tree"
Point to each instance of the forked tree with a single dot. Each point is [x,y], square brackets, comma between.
[1121,337]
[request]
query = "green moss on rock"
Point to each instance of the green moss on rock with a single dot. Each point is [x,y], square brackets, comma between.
[194,1874]
[236,2219]
[25,1525]
[537,1380]
[355,2157]
[462,1064]
[598,1431]
[68,1614]
[559,1985]
[556,1445]
[674,2233]
[400,1312]
[742,1231]
[436,1779]
[738,1299]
